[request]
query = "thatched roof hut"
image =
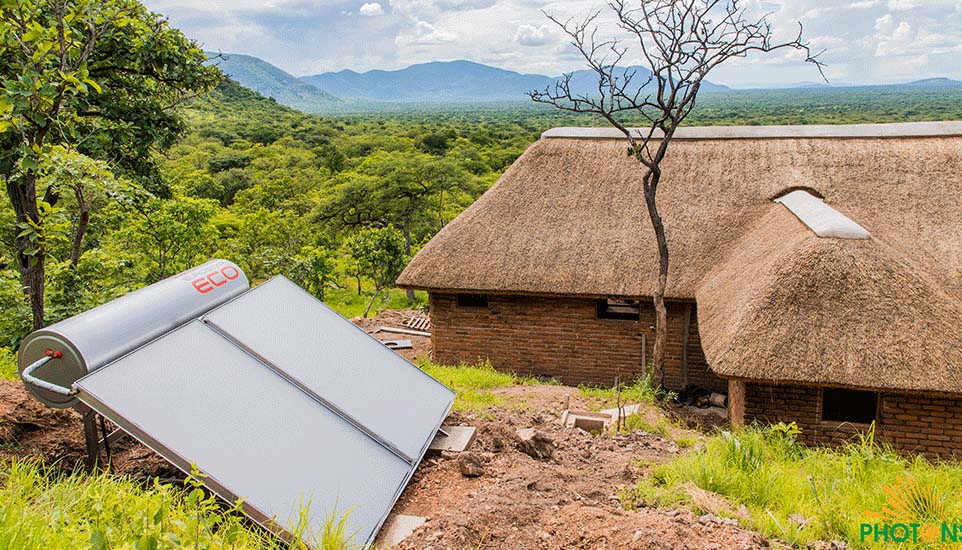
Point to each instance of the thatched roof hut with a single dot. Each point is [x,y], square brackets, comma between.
[775,300]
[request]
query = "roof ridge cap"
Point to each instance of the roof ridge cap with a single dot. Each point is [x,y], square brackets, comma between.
[837,131]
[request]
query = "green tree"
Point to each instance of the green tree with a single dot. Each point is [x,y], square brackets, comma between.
[379,254]
[171,235]
[313,269]
[98,76]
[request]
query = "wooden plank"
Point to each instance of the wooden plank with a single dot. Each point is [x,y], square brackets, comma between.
[402,331]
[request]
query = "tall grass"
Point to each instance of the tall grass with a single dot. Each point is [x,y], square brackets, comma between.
[41,509]
[472,383]
[801,494]
[641,390]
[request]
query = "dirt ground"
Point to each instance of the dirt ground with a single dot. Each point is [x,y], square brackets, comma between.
[390,318]
[570,500]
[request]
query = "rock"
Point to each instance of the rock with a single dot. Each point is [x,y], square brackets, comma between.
[823,545]
[470,464]
[707,518]
[535,444]
[501,438]
[799,519]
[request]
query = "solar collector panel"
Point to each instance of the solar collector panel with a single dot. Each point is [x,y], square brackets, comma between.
[365,380]
[252,433]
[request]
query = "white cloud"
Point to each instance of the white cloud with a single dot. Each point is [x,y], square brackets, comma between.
[372,9]
[424,34]
[902,5]
[529,35]
[864,4]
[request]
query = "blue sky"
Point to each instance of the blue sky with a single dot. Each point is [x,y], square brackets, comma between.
[868,41]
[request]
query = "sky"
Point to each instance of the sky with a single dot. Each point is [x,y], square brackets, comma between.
[866,41]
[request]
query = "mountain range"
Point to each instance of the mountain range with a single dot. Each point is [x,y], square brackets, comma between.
[435,83]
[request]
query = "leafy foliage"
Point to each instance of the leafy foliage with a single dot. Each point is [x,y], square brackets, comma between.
[97,77]
[378,254]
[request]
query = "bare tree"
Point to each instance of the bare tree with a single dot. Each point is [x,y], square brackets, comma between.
[681,42]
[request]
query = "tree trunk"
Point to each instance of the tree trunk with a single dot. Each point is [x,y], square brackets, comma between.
[78,239]
[661,312]
[407,252]
[23,198]
[371,303]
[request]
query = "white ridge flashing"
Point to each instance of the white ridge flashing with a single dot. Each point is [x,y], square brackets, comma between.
[821,218]
[839,131]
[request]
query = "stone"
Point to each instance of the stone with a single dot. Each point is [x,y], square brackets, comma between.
[535,444]
[470,464]
[400,527]
[458,439]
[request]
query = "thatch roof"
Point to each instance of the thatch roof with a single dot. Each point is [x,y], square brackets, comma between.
[568,218]
[787,305]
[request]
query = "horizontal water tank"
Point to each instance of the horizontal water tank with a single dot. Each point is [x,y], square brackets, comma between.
[92,339]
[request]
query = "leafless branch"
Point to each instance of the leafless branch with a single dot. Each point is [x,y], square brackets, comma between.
[681,41]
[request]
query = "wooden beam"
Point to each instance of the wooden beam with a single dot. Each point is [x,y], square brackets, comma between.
[736,402]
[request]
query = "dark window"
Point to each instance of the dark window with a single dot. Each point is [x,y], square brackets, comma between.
[472,300]
[849,405]
[626,310]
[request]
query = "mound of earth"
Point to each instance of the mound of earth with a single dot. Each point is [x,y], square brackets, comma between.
[572,500]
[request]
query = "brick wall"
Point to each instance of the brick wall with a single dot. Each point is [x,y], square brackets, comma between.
[912,423]
[562,338]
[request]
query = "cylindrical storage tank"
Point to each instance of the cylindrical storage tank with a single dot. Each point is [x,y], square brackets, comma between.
[96,337]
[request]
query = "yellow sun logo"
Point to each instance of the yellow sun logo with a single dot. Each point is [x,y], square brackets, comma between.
[911,502]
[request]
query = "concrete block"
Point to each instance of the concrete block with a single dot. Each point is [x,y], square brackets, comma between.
[400,527]
[459,438]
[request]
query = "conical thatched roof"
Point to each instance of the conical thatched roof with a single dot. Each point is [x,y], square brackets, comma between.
[787,305]
[568,218]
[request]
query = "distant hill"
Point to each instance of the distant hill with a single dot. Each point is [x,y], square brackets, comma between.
[454,82]
[270,81]
[443,82]
[932,83]
[465,84]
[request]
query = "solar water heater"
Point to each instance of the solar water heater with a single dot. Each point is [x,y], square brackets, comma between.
[271,395]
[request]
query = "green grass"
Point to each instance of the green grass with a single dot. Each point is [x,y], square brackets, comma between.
[775,477]
[350,304]
[8,364]
[638,391]
[473,384]
[43,508]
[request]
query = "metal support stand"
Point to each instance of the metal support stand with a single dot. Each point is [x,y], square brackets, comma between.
[92,439]
[96,437]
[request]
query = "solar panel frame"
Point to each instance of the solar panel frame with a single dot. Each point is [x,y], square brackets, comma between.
[220,488]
